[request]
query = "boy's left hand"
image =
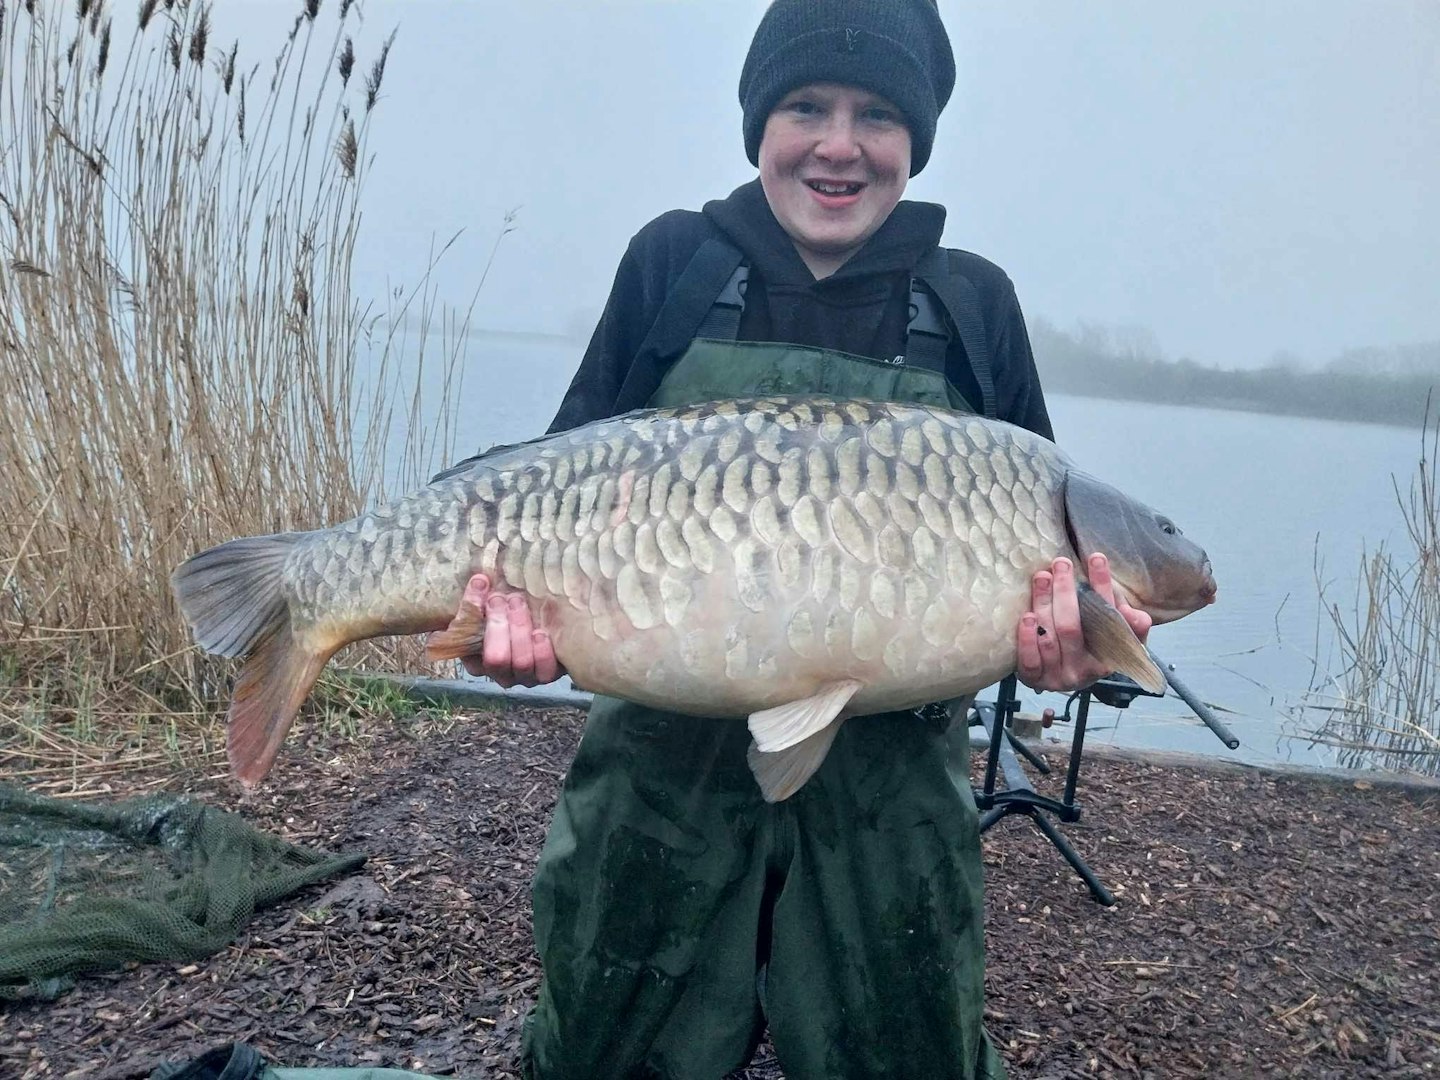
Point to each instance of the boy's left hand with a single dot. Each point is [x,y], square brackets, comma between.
[1050,645]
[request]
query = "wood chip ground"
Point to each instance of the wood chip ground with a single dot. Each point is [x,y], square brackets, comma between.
[1266,926]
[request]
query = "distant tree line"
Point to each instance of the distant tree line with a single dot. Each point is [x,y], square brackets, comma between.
[1385,386]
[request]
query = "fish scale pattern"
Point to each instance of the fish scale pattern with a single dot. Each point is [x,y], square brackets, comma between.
[767,543]
[789,557]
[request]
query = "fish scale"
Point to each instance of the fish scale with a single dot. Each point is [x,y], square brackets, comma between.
[722,560]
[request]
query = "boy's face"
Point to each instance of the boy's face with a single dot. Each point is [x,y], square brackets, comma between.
[833,162]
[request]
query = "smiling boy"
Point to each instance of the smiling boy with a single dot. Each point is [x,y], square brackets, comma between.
[677,914]
[833,164]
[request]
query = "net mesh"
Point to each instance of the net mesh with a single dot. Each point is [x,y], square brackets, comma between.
[88,887]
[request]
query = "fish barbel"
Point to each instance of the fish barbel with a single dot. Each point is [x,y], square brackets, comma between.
[791,560]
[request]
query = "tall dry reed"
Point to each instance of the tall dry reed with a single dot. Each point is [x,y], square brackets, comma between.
[1382,709]
[182,359]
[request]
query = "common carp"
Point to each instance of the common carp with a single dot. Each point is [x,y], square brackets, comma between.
[792,560]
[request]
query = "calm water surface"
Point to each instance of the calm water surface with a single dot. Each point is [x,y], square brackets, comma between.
[1270,498]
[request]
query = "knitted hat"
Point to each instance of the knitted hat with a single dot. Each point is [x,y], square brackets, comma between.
[895,48]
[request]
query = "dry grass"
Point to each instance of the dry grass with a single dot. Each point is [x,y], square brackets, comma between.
[182,359]
[1383,708]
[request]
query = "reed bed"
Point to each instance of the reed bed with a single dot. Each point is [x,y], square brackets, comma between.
[1382,709]
[182,358]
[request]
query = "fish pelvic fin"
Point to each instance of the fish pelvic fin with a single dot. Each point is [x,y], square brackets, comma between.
[269,691]
[781,773]
[785,725]
[465,635]
[1108,637]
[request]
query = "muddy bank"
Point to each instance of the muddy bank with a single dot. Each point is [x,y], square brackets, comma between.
[1267,925]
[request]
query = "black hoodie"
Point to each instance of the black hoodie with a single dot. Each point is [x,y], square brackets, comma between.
[862,308]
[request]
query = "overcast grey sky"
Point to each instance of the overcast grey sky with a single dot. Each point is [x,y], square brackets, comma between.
[1240,176]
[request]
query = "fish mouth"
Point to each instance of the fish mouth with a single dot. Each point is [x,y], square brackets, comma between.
[1208,588]
[1176,607]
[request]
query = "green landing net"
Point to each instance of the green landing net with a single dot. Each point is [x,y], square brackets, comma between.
[87,887]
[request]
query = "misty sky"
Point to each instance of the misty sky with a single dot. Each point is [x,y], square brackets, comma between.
[1240,176]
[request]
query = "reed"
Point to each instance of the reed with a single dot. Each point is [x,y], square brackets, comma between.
[182,358]
[1382,708]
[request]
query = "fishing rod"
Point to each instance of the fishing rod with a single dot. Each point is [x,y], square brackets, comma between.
[1185,694]
[1118,691]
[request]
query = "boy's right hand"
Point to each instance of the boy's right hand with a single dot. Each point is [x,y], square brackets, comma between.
[515,653]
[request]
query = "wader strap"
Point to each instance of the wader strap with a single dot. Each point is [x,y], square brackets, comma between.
[927,338]
[957,293]
[722,323]
[708,300]
[687,307]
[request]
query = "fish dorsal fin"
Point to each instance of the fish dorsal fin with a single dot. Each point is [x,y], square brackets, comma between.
[782,773]
[785,725]
[1108,637]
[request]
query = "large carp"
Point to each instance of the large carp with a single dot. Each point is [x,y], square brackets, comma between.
[793,560]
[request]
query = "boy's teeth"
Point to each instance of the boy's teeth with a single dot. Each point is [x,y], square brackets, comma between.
[834,189]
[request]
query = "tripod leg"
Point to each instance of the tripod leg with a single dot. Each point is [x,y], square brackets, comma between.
[1041,765]
[1080,866]
[993,815]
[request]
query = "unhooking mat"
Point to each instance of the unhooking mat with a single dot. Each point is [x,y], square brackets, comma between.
[89,887]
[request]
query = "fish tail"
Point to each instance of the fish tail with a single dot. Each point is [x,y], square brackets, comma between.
[269,691]
[233,595]
[234,598]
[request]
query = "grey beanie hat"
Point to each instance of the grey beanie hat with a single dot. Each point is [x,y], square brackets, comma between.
[895,48]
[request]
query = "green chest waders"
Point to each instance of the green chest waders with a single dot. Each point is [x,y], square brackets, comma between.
[672,904]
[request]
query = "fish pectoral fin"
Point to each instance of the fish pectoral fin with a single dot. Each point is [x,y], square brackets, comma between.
[785,725]
[781,773]
[463,637]
[1108,637]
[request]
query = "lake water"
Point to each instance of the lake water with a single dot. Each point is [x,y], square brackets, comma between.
[1266,496]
